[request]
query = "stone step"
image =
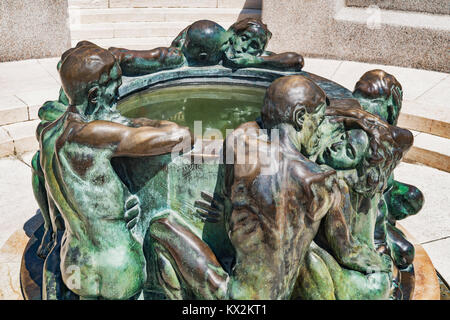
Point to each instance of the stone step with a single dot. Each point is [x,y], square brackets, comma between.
[131,43]
[187,15]
[129,30]
[96,4]
[425,117]
[430,150]
[18,138]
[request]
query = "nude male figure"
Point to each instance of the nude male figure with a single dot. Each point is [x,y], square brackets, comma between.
[100,255]
[204,43]
[272,206]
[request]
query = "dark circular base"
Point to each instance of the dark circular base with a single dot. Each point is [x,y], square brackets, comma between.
[31,268]
[413,286]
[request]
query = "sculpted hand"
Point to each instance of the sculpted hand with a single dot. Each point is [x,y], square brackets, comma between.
[209,209]
[245,59]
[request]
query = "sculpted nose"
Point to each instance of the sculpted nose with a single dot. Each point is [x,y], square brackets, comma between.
[403,138]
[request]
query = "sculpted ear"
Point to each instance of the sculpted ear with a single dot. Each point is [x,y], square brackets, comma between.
[92,95]
[92,100]
[297,117]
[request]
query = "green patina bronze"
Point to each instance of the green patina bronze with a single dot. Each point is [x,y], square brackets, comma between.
[133,207]
[206,43]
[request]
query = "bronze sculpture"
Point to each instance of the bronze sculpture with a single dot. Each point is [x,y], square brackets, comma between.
[206,43]
[79,145]
[303,206]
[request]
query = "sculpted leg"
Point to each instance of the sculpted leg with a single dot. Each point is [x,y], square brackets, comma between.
[403,200]
[323,278]
[140,62]
[53,287]
[402,251]
[185,264]
[40,194]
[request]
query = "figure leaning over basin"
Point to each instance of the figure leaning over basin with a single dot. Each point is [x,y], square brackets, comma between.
[98,210]
[205,43]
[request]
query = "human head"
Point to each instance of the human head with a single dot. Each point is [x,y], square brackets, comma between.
[298,102]
[347,152]
[386,146]
[381,94]
[250,36]
[204,43]
[89,75]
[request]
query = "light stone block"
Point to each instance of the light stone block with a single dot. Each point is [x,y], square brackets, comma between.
[248,4]
[432,222]
[6,144]
[439,252]
[12,110]
[16,197]
[433,143]
[23,135]
[89,4]
[322,67]
[163,3]
[438,95]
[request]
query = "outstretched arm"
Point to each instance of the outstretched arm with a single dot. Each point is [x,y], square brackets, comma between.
[161,138]
[283,61]
[140,62]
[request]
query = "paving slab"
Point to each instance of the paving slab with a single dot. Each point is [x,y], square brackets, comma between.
[433,221]
[23,135]
[12,110]
[36,98]
[162,4]
[17,203]
[433,143]
[6,143]
[438,95]
[88,3]
[439,252]
[415,82]
[26,157]
[24,76]
[322,67]
[49,64]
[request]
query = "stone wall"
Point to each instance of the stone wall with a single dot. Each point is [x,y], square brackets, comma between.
[430,6]
[33,29]
[330,29]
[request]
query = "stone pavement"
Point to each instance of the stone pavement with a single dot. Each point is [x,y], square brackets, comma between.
[25,85]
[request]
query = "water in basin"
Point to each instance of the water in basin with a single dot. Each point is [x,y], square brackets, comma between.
[216,106]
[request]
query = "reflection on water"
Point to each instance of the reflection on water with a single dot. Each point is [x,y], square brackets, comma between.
[216,106]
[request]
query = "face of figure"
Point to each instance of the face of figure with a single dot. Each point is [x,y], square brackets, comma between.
[108,87]
[348,152]
[253,40]
[300,103]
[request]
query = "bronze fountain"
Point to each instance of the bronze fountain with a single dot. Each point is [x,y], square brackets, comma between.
[296,201]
